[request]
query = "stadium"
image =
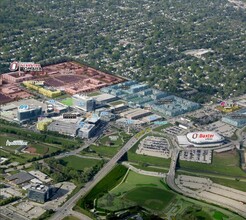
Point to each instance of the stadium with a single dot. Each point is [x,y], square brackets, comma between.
[201,139]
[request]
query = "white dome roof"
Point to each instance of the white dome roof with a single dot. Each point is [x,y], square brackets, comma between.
[202,137]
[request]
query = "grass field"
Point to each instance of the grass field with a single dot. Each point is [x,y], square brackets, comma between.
[106,184]
[110,151]
[150,198]
[153,169]
[149,160]
[9,151]
[78,163]
[121,190]
[44,149]
[240,185]
[159,129]
[134,180]
[70,218]
[195,213]
[146,191]
[21,158]
[67,101]
[219,216]
[105,151]
[4,138]
[114,143]
[224,163]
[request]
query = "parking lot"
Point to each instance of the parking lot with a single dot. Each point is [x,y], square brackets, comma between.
[154,146]
[222,128]
[200,156]
[174,130]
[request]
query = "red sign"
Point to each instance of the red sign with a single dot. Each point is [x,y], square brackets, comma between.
[210,136]
[26,66]
[13,66]
[194,136]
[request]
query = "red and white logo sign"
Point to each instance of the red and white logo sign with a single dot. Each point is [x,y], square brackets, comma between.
[205,136]
[26,66]
[14,66]
[194,136]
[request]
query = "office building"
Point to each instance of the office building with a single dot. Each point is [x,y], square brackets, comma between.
[39,193]
[135,113]
[69,127]
[237,119]
[87,130]
[30,113]
[84,102]
[140,95]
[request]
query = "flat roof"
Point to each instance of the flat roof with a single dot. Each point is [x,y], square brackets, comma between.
[103,97]
[87,127]
[20,177]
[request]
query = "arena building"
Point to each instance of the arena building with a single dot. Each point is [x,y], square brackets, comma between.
[200,139]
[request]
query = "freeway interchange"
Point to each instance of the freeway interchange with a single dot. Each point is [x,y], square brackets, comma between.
[66,209]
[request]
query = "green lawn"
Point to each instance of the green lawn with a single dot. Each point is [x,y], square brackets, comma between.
[134,180]
[159,129]
[67,101]
[113,178]
[150,197]
[224,163]
[119,142]
[44,149]
[240,185]
[9,151]
[21,158]
[146,191]
[118,190]
[195,213]
[113,143]
[70,218]
[219,216]
[153,169]
[4,138]
[110,151]
[78,163]
[105,151]
[143,159]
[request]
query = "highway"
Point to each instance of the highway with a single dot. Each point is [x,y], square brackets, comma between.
[170,180]
[66,209]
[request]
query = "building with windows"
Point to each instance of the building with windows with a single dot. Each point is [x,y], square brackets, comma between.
[87,130]
[84,102]
[141,95]
[30,113]
[39,193]
[66,127]
[237,119]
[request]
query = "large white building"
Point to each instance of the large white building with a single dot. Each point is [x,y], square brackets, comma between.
[84,102]
[201,139]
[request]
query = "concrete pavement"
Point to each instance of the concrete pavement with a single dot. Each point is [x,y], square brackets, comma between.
[66,209]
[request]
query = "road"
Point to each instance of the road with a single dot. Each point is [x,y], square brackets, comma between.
[170,180]
[10,214]
[144,172]
[66,209]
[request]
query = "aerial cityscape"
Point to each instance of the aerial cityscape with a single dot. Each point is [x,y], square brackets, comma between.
[117,110]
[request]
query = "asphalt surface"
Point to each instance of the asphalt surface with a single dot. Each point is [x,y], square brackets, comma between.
[66,209]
